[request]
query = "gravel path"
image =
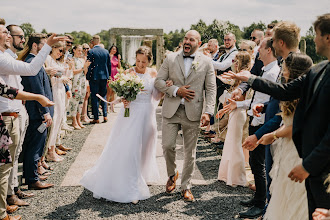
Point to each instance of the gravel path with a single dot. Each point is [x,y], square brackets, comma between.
[213,201]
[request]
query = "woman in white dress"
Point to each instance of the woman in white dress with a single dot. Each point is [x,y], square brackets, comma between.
[56,60]
[128,161]
[232,165]
[289,198]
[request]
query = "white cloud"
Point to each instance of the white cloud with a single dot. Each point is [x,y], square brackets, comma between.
[94,15]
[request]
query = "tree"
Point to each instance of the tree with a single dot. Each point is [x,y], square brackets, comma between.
[248,30]
[44,31]
[27,29]
[310,46]
[80,37]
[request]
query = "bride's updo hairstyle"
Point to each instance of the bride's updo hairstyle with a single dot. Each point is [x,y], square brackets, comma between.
[297,64]
[144,50]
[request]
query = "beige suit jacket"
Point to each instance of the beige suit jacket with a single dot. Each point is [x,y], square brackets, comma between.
[200,77]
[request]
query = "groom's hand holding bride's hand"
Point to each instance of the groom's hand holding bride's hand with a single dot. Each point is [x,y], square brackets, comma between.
[186,93]
[298,173]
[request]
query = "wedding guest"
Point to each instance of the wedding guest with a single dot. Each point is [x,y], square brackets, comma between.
[309,133]
[98,74]
[289,199]
[15,117]
[248,45]
[14,67]
[84,116]
[5,157]
[270,30]
[56,59]
[257,156]
[78,87]
[213,48]
[181,109]
[35,140]
[115,65]
[67,53]
[232,165]
[257,36]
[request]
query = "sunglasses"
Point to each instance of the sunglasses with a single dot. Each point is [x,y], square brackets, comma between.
[68,42]
[61,51]
[242,49]
[20,36]
[253,38]
[85,48]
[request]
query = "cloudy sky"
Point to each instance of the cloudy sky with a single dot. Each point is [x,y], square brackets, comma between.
[94,15]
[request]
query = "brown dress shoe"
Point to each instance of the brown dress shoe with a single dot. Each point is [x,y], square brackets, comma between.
[105,119]
[39,185]
[16,217]
[187,195]
[14,200]
[11,208]
[95,122]
[23,195]
[61,147]
[170,185]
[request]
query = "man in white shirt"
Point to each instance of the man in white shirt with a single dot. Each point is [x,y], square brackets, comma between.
[18,124]
[10,66]
[270,71]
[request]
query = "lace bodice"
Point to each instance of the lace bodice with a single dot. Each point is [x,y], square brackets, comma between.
[146,95]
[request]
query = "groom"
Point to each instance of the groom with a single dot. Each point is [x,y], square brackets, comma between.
[192,73]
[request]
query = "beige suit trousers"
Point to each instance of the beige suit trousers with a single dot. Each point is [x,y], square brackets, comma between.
[190,130]
[12,125]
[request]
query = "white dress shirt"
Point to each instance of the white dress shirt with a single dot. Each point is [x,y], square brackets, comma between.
[227,60]
[10,68]
[271,72]
[187,65]
[255,50]
[7,105]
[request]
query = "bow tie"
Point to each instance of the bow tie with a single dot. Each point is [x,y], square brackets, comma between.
[191,57]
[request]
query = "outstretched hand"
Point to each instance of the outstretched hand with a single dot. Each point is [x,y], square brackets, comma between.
[53,39]
[257,109]
[44,101]
[243,75]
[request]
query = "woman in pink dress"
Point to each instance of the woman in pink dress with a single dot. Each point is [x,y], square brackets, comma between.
[115,65]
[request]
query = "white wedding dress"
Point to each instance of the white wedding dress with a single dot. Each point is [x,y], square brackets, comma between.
[128,161]
[289,198]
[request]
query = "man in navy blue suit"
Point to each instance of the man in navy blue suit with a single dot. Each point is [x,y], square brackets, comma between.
[98,75]
[35,140]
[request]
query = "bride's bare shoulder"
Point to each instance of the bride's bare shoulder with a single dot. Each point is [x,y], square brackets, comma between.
[153,72]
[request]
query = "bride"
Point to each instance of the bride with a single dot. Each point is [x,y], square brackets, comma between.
[128,161]
[289,199]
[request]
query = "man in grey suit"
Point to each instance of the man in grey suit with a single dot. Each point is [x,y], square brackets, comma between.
[192,73]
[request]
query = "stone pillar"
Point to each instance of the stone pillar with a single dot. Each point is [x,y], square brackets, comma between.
[113,39]
[160,51]
[302,46]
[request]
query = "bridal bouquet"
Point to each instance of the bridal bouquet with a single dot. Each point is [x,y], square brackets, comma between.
[127,86]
